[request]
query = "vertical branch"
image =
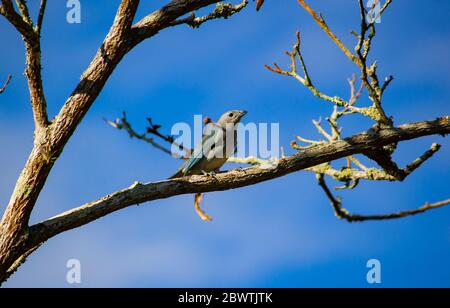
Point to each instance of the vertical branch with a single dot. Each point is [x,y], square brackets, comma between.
[40,16]
[24,25]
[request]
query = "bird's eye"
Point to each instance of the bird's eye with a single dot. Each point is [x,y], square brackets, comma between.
[230,114]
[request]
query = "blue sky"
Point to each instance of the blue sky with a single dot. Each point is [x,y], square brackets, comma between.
[281,233]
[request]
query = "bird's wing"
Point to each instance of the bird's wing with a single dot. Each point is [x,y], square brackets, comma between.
[200,151]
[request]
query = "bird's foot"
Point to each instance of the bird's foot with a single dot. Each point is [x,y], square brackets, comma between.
[242,169]
[210,174]
[200,212]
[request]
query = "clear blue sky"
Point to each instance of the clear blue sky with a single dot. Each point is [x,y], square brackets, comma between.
[278,233]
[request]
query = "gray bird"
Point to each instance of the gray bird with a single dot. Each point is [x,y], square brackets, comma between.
[212,153]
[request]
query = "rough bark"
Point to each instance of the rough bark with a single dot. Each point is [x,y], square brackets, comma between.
[139,193]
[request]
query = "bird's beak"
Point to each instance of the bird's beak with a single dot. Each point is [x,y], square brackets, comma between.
[243,113]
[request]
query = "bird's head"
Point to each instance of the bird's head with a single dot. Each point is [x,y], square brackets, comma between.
[231,117]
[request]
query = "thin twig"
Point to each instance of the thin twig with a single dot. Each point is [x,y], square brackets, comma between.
[322,24]
[23,8]
[40,16]
[342,213]
[3,88]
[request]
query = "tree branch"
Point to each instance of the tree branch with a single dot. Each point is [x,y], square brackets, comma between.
[123,124]
[120,40]
[24,25]
[8,79]
[323,25]
[166,16]
[140,193]
[21,25]
[50,140]
[23,8]
[222,10]
[40,17]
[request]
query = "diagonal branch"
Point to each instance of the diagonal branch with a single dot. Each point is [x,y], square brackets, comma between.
[123,124]
[139,193]
[342,213]
[384,160]
[324,26]
[21,25]
[50,140]
[222,10]
[8,79]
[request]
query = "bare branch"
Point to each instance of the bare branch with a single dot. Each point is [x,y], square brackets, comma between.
[307,82]
[18,240]
[362,50]
[13,268]
[40,19]
[123,124]
[24,25]
[385,6]
[153,129]
[50,140]
[24,28]
[140,193]
[23,8]
[259,4]
[323,25]
[348,174]
[420,160]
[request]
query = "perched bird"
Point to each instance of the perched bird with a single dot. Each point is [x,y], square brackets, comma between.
[212,153]
[259,3]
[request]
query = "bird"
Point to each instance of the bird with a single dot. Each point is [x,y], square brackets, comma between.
[259,4]
[212,152]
